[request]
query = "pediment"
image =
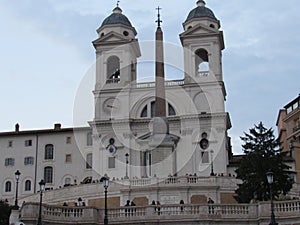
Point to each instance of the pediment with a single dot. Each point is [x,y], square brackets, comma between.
[111,37]
[199,30]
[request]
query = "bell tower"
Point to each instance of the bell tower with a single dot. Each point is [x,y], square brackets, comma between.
[203,43]
[117,50]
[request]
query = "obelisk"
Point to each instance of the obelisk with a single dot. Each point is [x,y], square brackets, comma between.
[160,96]
[160,122]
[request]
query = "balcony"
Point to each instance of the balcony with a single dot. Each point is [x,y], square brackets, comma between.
[113,81]
[168,83]
[203,73]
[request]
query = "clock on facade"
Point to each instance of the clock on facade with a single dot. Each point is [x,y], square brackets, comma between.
[111,104]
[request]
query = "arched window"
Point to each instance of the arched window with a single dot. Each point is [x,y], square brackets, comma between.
[113,69]
[67,181]
[202,63]
[89,139]
[48,174]
[8,186]
[27,185]
[49,151]
[145,113]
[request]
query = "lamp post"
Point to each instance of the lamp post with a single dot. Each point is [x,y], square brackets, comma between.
[42,189]
[17,176]
[270,181]
[212,165]
[127,161]
[105,181]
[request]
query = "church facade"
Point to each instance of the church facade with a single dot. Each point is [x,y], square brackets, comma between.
[195,105]
[128,139]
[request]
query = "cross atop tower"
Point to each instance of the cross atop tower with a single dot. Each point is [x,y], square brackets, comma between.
[158,21]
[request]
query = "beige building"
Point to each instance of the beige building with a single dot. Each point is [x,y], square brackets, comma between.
[50,154]
[288,124]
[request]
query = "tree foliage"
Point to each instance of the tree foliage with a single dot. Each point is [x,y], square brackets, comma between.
[5,210]
[262,154]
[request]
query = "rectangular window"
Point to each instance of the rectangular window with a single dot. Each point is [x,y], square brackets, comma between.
[89,139]
[28,161]
[295,105]
[68,158]
[48,174]
[9,162]
[89,161]
[28,143]
[8,186]
[205,157]
[49,151]
[289,110]
[10,144]
[111,162]
[68,140]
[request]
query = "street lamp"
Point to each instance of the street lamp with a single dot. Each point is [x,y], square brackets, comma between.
[42,189]
[127,161]
[270,181]
[105,181]
[212,165]
[17,175]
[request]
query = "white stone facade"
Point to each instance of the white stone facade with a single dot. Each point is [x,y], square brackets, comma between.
[123,106]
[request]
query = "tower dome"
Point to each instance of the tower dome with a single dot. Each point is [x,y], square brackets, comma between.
[201,11]
[116,18]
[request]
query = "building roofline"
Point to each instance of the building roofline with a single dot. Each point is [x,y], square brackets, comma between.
[43,131]
[292,102]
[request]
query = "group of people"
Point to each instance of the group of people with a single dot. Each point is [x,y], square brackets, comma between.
[130,211]
[157,206]
[211,209]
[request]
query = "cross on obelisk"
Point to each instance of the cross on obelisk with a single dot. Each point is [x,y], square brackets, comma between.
[158,21]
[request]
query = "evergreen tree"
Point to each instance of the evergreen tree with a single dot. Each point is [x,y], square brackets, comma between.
[262,154]
[5,210]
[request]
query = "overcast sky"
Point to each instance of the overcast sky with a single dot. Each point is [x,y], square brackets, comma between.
[46,50]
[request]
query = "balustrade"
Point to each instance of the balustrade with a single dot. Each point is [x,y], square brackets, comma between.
[168,83]
[113,81]
[203,73]
[184,180]
[165,212]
